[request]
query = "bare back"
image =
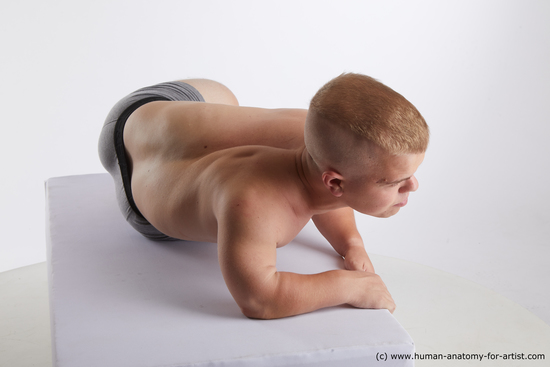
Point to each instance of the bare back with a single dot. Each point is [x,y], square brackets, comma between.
[190,160]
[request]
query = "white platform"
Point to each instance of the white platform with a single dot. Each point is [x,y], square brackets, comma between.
[443,313]
[118,299]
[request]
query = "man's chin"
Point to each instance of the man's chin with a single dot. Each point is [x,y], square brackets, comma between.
[388,213]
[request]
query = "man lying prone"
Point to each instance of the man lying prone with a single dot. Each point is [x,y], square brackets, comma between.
[190,163]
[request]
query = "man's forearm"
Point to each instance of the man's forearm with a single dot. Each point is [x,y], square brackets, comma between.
[339,228]
[289,294]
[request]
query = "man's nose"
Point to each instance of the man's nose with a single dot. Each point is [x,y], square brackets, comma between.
[411,186]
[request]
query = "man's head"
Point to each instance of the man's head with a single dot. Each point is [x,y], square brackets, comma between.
[363,136]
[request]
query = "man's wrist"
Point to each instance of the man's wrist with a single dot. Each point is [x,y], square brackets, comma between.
[353,244]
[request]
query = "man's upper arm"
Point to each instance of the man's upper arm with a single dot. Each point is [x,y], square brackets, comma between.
[247,254]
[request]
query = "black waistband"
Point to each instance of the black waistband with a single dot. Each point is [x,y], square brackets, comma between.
[119,147]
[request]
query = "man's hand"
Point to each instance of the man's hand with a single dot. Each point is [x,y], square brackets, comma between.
[356,258]
[371,292]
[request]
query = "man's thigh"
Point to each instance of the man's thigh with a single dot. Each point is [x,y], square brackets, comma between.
[213,92]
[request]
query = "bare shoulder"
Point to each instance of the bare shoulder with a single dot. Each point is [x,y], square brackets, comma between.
[264,202]
[259,218]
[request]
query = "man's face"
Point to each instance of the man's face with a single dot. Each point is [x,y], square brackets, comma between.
[385,185]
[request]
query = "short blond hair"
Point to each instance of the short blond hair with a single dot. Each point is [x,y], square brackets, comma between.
[372,111]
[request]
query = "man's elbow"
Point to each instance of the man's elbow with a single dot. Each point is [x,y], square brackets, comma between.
[255,313]
[259,307]
[257,310]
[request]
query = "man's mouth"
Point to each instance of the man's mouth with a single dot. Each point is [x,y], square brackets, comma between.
[403,203]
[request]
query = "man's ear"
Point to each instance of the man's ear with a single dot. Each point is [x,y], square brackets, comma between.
[334,182]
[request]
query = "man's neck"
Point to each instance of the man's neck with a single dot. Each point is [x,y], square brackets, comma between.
[319,198]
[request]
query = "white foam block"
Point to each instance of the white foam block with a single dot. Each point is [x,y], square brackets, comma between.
[118,299]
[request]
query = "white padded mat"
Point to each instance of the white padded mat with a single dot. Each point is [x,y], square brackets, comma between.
[118,299]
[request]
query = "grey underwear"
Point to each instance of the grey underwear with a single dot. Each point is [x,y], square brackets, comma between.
[113,156]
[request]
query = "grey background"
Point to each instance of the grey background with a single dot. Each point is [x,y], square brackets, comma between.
[477,70]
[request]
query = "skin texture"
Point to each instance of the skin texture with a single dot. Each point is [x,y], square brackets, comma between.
[243,178]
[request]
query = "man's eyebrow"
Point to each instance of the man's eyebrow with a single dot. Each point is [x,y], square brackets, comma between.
[383,181]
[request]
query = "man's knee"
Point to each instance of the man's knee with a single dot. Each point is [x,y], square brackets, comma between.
[213,92]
